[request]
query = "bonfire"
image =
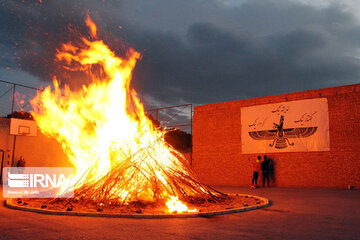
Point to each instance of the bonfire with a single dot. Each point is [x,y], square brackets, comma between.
[119,157]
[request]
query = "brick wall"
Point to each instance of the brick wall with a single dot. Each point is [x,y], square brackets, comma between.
[217,157]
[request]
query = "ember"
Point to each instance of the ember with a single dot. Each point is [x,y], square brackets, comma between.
[119,157]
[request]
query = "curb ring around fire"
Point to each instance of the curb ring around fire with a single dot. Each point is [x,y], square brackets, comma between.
[252,203]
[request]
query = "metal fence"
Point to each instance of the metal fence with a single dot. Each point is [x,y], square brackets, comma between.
[179,116]
[16,97]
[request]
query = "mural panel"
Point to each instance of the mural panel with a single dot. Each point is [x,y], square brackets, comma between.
[295,126]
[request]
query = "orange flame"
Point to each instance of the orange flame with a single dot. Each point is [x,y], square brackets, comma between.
[175,205]
[91,25]
[104,123]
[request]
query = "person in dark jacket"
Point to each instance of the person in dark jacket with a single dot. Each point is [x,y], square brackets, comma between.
[265,168]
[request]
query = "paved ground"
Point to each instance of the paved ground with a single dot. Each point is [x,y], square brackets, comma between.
[295,214]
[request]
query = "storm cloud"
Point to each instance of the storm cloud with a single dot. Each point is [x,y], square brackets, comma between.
[194,51]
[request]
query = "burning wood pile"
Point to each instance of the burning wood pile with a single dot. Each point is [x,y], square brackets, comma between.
[140,178]
[119,157]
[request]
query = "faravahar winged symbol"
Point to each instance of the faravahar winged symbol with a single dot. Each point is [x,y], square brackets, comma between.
[280,136]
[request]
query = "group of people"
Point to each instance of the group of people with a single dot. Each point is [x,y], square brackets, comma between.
[266,168]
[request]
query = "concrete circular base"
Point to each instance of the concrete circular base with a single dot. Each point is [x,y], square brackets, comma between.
[265,203]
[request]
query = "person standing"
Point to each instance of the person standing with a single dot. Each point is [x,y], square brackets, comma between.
[265,168]
[271,170]
[256,170]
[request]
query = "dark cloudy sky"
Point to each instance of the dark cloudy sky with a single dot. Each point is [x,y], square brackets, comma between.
[194,51]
